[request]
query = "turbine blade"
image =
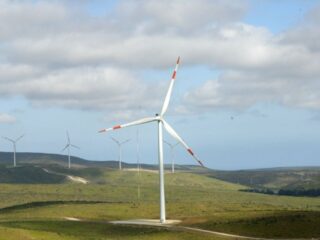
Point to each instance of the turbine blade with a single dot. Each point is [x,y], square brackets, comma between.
[141,121]
[74,146]
[167,99]
[65,147]
[68,137]
[128,140]
[173,133]
[115,140]
[9,139]
[176,144]
[19,138]
[169,144]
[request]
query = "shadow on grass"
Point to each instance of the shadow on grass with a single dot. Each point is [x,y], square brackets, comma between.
[87,230]
[295,224]
[49,203]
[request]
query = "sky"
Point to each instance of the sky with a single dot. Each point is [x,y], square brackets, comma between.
[247,92]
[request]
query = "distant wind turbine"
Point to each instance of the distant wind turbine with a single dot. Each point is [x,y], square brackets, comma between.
[172,146]
[120,150]
[68,145]
[161,122]
[14,142]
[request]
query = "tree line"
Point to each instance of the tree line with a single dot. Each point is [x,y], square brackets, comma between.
[287,192]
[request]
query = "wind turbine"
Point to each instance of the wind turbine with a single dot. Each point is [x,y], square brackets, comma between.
[120,149]
[14,142]
[161,122]
[172,146]
[68,145]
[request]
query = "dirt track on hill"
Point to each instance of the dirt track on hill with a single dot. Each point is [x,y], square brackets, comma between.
[70,177]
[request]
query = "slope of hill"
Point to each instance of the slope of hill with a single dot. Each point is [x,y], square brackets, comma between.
[197,200]
[28,174]
[288,181]
[45,159]
[32,168]
[195,197]
[293,181]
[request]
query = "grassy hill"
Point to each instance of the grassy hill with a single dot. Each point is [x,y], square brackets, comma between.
[292,181]
[37,211]
[276,180]
[31,208]
[45,159]
[28,174]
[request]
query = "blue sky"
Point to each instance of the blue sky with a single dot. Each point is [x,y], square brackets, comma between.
[246,96]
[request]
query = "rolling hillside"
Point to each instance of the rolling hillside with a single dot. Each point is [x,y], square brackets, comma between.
[28,174]
[38,195]
[38,211]
[45,159]
[288,181]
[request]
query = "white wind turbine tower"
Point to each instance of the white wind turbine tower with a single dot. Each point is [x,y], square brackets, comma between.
[161,122]
[14,142]
[172,146]
[120,150]
[68,145]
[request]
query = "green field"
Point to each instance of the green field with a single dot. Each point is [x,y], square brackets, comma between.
[38,211]
[275,179]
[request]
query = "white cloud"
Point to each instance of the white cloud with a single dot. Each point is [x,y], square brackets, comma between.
[137,34]
[282,69]
[6,118]
[241,90]
[57,55]
[85,88]
[154,16]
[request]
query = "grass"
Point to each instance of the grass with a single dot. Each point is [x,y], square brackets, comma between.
[268,224]
[37,211]
[275,179]
[52,230]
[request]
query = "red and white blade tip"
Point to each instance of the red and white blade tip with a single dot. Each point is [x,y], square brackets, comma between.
[175,70]
[191,152]
[108,129]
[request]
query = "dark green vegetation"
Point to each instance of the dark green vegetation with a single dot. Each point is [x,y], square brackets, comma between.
[90,231]
[283,181]
[38,211]
[289,224]
[28,174]
[45,159]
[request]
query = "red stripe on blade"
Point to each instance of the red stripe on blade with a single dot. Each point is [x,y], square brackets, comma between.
[174,75]
[190,151]
[116,127]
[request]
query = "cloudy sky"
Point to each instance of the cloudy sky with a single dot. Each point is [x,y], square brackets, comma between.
[247,93]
